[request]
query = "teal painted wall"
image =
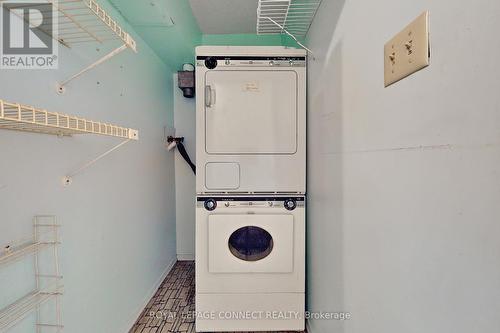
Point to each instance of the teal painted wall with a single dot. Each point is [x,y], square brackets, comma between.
[248,39]
[174,44]
[118,217]
[241,39]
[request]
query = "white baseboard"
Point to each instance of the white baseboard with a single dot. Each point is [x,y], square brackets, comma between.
[151,293]
[185,256]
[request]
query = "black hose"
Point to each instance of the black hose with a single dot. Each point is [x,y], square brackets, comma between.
[184,154]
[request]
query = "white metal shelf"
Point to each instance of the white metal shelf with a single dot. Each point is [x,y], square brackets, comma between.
[82,21]
[15,116]
[22,250]
[294,16]
[48,282]
[22,307]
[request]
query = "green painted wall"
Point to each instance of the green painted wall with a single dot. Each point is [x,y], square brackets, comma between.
[241,39]
[174,44]
[248,39]
[173,33]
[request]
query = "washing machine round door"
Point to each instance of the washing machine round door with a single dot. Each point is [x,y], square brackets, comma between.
[250,243]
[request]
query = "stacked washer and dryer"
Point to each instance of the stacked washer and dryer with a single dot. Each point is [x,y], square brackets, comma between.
[250,183]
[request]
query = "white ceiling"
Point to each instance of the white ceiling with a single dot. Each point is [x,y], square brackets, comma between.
[225,16]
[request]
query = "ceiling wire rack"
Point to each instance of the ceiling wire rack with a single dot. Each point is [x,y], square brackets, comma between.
[48,284]
[81,21]
[15,116]
[291,17]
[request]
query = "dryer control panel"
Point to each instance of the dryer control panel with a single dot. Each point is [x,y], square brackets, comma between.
[212,62]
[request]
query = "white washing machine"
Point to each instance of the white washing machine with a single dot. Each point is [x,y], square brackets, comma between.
[250,120]
[250,263]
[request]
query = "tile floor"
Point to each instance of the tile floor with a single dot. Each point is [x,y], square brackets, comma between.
[173,304]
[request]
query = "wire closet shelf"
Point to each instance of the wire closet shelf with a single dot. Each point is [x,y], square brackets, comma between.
[48,286]
[83,21]
[79,21]
[286,16]
[76,22]
[15,116]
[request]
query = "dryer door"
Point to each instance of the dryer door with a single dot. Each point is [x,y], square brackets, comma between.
[244,243]
[251,112]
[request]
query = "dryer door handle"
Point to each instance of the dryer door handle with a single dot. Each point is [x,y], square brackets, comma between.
[209,96]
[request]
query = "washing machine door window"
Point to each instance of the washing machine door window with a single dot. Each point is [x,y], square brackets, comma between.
[250,243]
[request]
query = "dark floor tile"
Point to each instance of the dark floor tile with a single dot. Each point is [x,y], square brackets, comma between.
[176,295]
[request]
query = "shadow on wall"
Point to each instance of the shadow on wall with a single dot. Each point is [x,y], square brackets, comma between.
[323,26]
[325,216]
[325,278]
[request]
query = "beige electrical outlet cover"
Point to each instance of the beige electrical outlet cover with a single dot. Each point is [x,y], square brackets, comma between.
[408,51]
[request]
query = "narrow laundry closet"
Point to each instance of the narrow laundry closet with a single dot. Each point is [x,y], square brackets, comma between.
[320,166]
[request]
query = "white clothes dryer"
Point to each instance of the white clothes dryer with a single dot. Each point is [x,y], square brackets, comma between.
[250,120]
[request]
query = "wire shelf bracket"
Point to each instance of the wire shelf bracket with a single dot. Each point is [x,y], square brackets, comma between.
[15,116]
[68,180]
[61,86]
[291,35]
[290,17]
[83,21]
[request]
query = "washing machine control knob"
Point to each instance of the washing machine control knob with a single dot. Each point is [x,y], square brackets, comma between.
[210,62]
[210,204]
[290,204]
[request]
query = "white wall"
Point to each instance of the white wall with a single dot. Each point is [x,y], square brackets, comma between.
[118,217]
[404,182]
[185,185]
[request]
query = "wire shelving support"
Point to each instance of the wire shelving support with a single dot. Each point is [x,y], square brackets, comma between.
[68,179]
[15,116]
[291,17]
[48,284]
[83,21]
